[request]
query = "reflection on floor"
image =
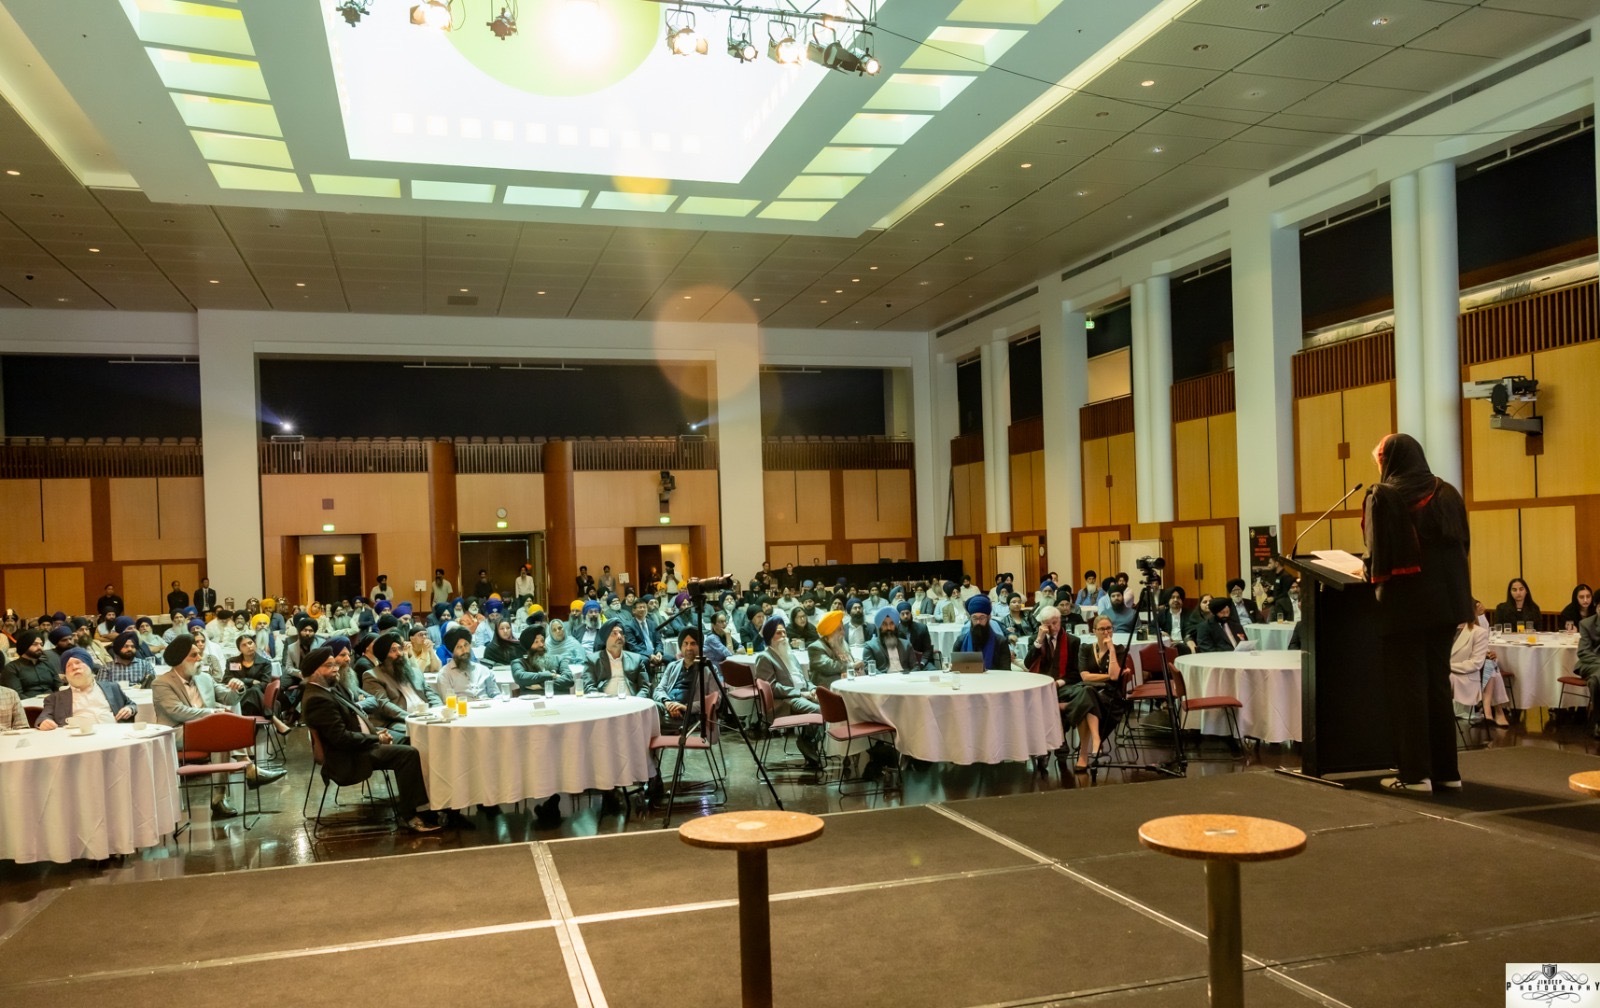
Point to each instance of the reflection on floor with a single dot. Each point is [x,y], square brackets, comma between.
[1037,896]
[280,838]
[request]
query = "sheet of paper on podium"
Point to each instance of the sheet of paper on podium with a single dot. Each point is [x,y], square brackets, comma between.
[1340,562]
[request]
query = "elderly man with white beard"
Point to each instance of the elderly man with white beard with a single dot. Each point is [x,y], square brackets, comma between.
[792,692]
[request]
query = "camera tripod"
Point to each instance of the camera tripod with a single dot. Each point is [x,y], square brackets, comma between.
[1178,765]
[704,720]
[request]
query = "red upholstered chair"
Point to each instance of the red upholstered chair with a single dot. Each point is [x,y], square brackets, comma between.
[738,677]
[708,742]
[1573,686]
[779,724]
[1230,706]
[842,729]
[221,732]
[269,700]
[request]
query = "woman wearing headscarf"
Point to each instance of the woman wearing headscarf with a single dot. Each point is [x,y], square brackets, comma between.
[1417,541]
[503,649]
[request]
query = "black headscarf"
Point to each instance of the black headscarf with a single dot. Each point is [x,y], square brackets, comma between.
[1398,510]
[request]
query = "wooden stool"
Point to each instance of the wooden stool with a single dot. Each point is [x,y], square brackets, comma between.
[1586,783]
[751,834]
[1222,841]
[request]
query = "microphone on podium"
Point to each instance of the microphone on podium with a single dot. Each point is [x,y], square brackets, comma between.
[1321,518]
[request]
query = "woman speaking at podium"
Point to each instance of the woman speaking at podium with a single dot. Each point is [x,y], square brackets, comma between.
[1416,530]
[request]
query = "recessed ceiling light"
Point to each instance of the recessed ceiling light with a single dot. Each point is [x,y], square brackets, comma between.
[1083,192]
[872,267]
[12,171]
[838,292]
[688,297]
[755,299]
[923,283]
[1097,115]
[824,300]
[60,299]
[538,292]
[1202,47]
[1379,22]
[1262,6]
[966,259]
[1027,164]
[1157,150]
[93,249]
[214,281]
[462,289]
[1147,83]
[299,285]
[938,223]
[855,279]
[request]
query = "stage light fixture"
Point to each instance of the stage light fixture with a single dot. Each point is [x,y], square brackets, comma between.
[353,11]
[504,24]
[856,58]
[739,45]
[682,39]
[433,14]
[782,47]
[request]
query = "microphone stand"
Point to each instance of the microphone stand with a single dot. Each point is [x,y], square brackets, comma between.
[1293,550]
[703,669]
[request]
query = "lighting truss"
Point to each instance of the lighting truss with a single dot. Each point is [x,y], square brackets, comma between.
[861,13]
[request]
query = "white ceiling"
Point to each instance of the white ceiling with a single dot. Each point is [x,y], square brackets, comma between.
[1240,87]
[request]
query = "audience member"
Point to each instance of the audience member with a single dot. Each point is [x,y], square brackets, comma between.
[1096,706]
[614,669]
[979,636]
[1475,680]
[1579,609]
[33,672]
[887,651]
[1519,609]
[103,702]
[792,692]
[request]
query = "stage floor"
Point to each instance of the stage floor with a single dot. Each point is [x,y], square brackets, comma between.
[1022,900]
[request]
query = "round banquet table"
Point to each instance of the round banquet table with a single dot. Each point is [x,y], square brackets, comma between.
[508,752]
[994,717]
[1266,682]
[943,637]
[147,710]
[1536,666]
[1270,636]
[65,796]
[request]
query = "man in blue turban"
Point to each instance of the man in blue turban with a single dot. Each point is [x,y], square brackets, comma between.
[980,636]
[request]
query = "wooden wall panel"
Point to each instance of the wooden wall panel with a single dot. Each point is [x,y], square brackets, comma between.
[187,575]
[1224,434]
[1040,498]
[479,496]
[876,503]
[1184,559]
[1315,538]
[1024,492]
[1498,461]
[362,503]
[1096,495]
[970,511]
[1124,488]
[25,589]
[1496,554]
[22,532]
[1368,419]
[1549,555]
[1191,456]
[1216,559]
[1319,429]
[864,553]
[895,517]
[157,519]
[1096,551]
[797,504]
[1347,535]
[142,589]
[67,520]
[63,587]
[964,549]
[1569,391]
[778,556]
[407,557]
[779,504]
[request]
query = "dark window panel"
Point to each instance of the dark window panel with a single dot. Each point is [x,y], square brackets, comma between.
[50,396]
[1027,383]
[831,402]
[1202,324]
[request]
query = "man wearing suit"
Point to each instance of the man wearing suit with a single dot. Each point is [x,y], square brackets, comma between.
[1244,608]
[792,692]
[916,634]
[103,701]
[639,633]
[1220,631]
[585,582]
[887,651]
[184,693]
[205,596]
[1589,659]
[612,661]
[351,749]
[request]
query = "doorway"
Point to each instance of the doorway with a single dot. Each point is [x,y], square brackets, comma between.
[502,557]
[649,567]
[335,576]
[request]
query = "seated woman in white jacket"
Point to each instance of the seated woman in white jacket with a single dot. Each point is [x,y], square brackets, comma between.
[1474,677]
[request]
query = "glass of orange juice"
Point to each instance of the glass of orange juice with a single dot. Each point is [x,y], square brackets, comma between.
[461,706]
[450,702]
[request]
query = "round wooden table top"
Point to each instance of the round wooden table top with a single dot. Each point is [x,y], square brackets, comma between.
[752,830]
[1222,837]
[1586,783]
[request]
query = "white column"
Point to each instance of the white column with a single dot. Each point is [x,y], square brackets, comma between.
[931,448]
[740,487]
[1155,416]
[1266,333]
[996,432]
[229,433]
[1063,356]
[1139,298]
[1441,309]
[1406,261]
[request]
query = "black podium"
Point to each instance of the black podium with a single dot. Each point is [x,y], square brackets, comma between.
[1344,713]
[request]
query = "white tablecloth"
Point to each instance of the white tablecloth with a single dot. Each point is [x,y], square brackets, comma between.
[994,717]
[943,637]
[147,710]
[1270,636]
[1536,667]
[66,796]
[1266,682]
[505,753]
